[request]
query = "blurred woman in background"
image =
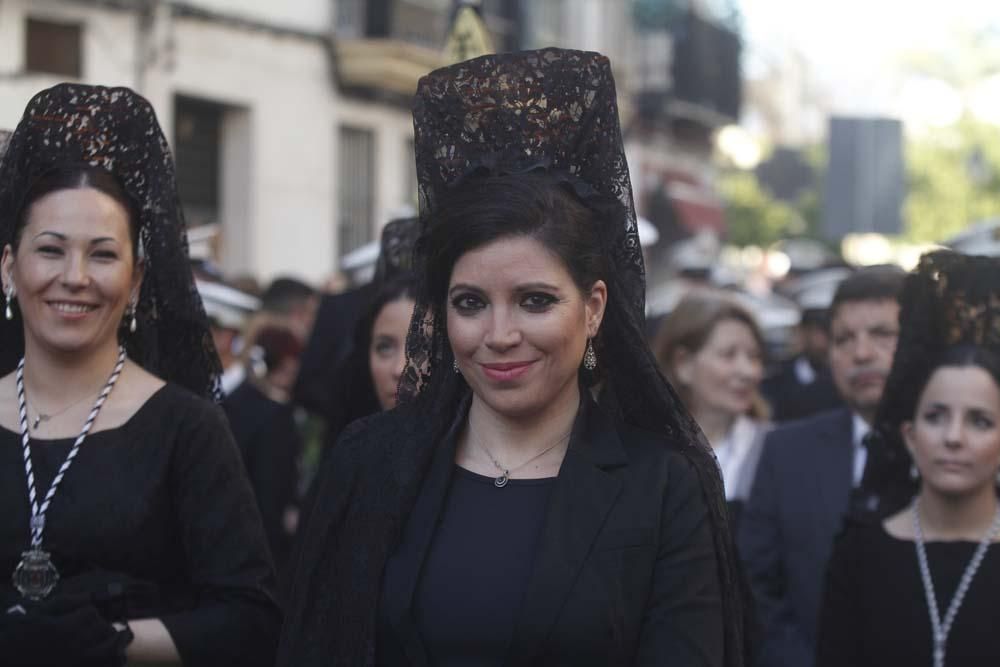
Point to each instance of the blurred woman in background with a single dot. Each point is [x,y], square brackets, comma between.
[370,375]
[712,350]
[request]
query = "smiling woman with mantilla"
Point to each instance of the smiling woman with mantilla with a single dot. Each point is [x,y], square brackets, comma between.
[76,271]
[539,496]
[129,529]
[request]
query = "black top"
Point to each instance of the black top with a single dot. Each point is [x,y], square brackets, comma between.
[875,611]
[473,580]
[268,438]
[161,504]
[623,571]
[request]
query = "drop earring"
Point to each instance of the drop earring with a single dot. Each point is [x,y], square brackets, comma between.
[8,311]
[589,357]
[130,314]
[454,366]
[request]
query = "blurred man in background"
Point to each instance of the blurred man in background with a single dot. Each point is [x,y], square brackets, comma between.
[808,468]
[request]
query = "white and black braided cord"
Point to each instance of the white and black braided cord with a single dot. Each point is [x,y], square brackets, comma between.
[38,511]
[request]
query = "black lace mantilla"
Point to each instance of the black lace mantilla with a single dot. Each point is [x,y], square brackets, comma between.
[399,237]
[950,299]
[116,129]
[556,110]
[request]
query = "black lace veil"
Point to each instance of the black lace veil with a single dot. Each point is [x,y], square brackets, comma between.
[116,129]
[950,299]
[556,111]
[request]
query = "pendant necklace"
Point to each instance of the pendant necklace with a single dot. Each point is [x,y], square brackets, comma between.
[504,477]
[940,627]
[35,576]
[44,417]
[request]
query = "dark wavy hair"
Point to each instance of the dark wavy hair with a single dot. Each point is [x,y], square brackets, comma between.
[894,484]
[75,177]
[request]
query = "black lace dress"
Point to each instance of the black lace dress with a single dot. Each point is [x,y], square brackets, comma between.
[875,612]
[156,519]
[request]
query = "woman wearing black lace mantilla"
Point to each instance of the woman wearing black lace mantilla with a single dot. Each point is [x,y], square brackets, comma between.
[501,515]
[129,530]
[919,586]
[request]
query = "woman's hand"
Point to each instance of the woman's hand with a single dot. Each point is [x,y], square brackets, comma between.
[60,633]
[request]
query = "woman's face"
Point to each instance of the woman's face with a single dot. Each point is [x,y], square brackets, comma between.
[387,352]
[518,324]
[74,271]
[954,437]
[724,375]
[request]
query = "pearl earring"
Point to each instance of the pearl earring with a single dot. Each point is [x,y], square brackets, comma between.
[8,312]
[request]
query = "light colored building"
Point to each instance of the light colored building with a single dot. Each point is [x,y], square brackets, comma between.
[290,121]
[242,90]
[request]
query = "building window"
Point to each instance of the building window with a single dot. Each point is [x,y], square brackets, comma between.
[197,140]
[53,48]
[356,187]
[351,18]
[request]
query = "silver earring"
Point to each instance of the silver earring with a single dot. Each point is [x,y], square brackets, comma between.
[589,358]
[454,366]
[8,313]
[914,473]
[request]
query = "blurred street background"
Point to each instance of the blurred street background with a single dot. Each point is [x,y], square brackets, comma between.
[773,144]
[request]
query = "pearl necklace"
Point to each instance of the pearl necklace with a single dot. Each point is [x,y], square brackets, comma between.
[942,628]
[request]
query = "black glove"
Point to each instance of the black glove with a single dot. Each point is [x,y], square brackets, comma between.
[63,634]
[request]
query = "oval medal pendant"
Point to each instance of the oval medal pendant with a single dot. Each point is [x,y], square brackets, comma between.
[500,481]
[35,576]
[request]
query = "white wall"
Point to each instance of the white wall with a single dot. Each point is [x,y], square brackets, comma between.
[306,15]
[108,48]
[281,95]
[278,134]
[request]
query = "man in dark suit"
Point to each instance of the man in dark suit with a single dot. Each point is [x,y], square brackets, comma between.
[803,386]
[809,467]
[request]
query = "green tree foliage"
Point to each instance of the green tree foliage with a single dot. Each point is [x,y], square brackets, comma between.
[752,215]
[953,179]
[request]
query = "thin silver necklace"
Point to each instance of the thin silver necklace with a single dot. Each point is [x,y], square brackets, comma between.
[942,628]
[504,477]
[35,575]
[46,416]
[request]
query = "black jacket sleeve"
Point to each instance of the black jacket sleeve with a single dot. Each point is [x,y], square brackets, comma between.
[236,620]
[762,550]
[683,620]
[837,643]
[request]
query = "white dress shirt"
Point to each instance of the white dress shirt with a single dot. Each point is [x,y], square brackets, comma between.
[860,430]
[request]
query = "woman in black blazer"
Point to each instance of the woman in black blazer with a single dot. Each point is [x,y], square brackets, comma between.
[501,514]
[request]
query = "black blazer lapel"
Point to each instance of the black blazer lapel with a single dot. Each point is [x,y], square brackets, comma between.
[412,550]
[584,493]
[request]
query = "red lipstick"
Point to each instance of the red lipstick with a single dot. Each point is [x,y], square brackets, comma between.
[506,372]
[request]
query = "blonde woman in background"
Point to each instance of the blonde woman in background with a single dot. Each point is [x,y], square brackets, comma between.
[712,351]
